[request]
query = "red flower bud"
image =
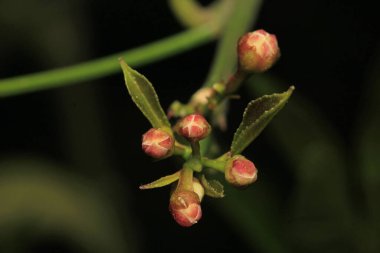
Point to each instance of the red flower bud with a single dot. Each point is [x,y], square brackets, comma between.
[194,127]
[185,208]
[157,143]
[240,171]
[257,51]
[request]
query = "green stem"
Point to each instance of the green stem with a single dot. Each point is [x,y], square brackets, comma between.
[107,65]
[182,150]
[214,164]
[196,150]
[191,13]
[242,17]
[185,182]
[195,161]
[235,81]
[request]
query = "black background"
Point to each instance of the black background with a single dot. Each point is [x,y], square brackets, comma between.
[94,129]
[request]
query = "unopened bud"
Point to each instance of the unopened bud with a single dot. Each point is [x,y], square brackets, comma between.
[194,127]
[257,51]
[240,171]
[198,189]
[202,96]
[185,208]
[157,143]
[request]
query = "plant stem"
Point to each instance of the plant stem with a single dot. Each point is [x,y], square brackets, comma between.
[185,179]
[195,161]
[214,164]
[196,150]
[107,65]
[182,150]
[235,81]
[191,13]
[244,13]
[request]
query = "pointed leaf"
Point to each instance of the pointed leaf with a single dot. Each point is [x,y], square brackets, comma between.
[256,117]
[213,188]
[163,181]
[144,96]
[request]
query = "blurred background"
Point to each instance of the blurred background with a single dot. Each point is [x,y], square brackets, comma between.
[71,162]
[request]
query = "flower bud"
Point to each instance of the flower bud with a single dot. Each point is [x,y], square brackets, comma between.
[194,127]
[185,208]
[240,171]
[257,51]
[198,189]
[157,143]
[202,96]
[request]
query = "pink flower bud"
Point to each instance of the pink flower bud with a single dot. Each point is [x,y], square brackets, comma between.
[240,171]
[157,143]
[257,51]
[194,127]
[185,208]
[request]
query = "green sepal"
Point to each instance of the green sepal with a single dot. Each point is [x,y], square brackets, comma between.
[163,181]
[213,188]
[256,117]
[144,96]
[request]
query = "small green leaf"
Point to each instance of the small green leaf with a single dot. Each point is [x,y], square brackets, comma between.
[144,96]
[256,117]
[163,181]
[213,188]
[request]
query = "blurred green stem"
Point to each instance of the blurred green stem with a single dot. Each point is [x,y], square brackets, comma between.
[107,65]
[243,15]
[191,13]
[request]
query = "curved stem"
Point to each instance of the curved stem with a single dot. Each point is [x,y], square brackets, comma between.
[107,65]
[244,13]
[191,13]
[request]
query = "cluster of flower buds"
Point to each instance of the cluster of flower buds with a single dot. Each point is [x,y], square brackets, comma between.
[257,52]
[159,143]
[185,204]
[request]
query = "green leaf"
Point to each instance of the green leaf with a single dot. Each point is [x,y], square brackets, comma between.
[163,181]
[213,188]
[315,154]
[256,117]
[144,96]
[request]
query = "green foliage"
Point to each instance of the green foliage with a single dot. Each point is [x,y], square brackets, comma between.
[256,117]
[163,181]
[144,96]
[213,188]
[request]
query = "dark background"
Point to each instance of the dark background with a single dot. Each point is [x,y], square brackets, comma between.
[89,134]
